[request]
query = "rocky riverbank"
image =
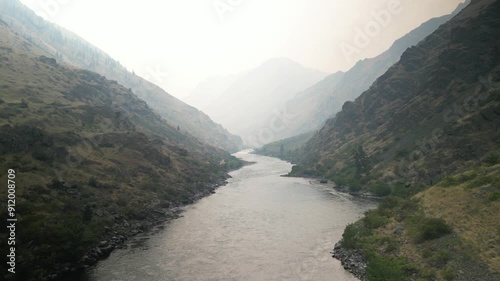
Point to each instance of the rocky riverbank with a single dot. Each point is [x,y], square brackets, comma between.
[352,260]
[361,193]
[121,230]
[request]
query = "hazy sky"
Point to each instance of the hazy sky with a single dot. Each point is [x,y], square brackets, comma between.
[176,44]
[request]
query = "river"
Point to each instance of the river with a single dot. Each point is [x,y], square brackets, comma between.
[260,226]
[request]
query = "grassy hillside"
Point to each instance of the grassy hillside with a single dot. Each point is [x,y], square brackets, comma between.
[447,232]
[426,136]
[68,47]
[93,163]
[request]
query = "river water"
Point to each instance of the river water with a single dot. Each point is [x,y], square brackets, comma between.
[260,226]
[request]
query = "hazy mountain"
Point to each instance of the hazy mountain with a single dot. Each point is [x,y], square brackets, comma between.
[311,108]
[88,154]
[432,119]
[286,149]
[242,102]
[70,48]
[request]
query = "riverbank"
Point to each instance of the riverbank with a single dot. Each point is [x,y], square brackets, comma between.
[352,260]
[344,189]
[121,229]
[116,234]
[246,231]
[417,236]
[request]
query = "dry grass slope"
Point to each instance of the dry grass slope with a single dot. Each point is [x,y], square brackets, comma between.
[472,208]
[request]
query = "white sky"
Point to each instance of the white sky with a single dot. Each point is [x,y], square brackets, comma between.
[178,43]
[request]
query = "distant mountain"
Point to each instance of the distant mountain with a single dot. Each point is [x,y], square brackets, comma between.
[285,149]
[311,108]
[93,163]
[425,137]
[243,102]
[67,47]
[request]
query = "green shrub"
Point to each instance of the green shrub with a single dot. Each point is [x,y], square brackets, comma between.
[467,177]
[23,104]
[94,182]
[354,186]
[433,228]
[402,153]
[302,170]
[183,152]
[389,203]
[87,214]
[407,208]
[381,189]
[427,252]
[373,220]
[482,181]
[233,164]
[390,243]
[448,273]
[427,273]
[44,155]
[56,184]
[492,159]
[494,196]
[350,237]
[400,190]
[384,269]
[440,259]
[448,181]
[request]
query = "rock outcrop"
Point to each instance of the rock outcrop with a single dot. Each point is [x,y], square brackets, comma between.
[352,260]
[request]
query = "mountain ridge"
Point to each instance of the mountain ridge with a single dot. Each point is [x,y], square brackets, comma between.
[93,163]
[68,47]
[425,137]
[369,111]
[312,107]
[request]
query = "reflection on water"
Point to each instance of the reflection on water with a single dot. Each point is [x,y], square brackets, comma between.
[261,226]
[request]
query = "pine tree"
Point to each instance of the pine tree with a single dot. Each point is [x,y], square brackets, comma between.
[360,160]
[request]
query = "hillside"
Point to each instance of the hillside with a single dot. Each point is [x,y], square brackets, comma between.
[286,149]
[258,93]
[447,232]
[69,48]
[313,106]
[426,137]
[93,163]
[438,104]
